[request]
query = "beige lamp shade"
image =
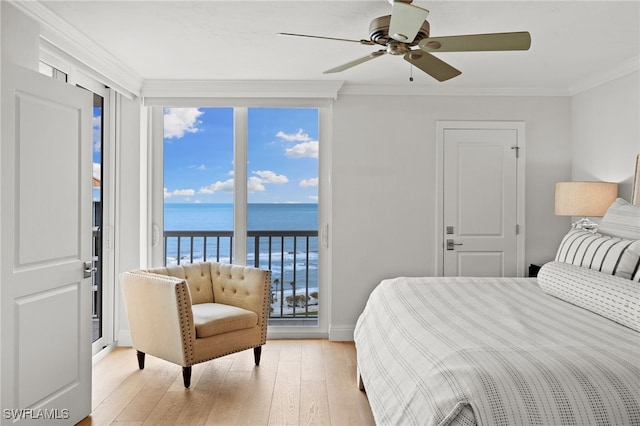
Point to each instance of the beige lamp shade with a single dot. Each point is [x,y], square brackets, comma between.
[584,198]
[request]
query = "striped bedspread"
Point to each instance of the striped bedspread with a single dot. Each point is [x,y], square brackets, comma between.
[493,351]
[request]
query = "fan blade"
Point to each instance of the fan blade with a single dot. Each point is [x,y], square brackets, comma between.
[477,42]
[359,61]
[367,42]
[406,21]
[433,66]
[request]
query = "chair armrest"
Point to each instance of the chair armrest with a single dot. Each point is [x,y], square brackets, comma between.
[160,318]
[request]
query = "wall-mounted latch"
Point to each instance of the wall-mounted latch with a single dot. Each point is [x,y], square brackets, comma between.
[451,244]
[449,230]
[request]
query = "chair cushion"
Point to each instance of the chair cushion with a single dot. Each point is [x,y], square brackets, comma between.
[215,318]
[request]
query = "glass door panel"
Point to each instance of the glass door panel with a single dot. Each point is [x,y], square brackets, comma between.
[198,185]
[282,208]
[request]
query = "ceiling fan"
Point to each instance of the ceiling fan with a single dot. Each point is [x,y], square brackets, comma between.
[407,27]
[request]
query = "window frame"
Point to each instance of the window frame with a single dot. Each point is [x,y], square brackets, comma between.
[155,189]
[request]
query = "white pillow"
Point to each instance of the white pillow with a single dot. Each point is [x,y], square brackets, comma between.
[622,219]
[615,298]
[603,253]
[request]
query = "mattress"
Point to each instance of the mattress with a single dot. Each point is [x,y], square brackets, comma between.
[493,351]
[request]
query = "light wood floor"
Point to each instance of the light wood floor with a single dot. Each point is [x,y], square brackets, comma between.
[310,382]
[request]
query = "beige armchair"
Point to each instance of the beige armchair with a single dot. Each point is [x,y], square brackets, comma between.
[192,313]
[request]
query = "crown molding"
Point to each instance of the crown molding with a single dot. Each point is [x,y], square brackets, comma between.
[58,33]
[417,90]
[292,89]
[614,73]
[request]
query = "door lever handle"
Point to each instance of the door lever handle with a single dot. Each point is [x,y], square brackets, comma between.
[89,269]
[451,244]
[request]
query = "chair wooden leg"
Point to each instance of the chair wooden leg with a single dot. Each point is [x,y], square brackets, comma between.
[140,359]
[186,376]
[257,351]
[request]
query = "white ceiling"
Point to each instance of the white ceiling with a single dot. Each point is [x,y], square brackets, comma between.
[572,41]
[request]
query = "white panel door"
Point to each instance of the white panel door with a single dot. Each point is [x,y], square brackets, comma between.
[480,202]
[46,240]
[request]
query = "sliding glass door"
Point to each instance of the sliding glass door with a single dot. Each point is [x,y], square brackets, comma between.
[282,208]
[241,185]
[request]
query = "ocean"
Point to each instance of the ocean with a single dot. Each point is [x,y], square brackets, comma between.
[290,259]
[219,217]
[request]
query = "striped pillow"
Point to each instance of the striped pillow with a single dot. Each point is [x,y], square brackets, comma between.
[621,220]
[612,297]
[611,255]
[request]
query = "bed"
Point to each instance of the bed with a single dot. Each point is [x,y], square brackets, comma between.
[559,349]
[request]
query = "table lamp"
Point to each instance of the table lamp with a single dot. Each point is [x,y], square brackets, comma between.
[584,199]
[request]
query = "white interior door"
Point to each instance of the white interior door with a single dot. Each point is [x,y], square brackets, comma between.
[480,202]
[46,240]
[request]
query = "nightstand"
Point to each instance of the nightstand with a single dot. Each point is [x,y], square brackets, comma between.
[533,270]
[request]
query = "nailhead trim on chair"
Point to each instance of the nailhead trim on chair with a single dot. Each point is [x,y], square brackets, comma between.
[182,295]
[265,310]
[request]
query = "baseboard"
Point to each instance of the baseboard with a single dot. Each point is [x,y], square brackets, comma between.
[124,338]
[341,333]
[104,352]
[291,333]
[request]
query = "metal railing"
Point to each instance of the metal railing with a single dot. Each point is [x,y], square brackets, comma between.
[291,256]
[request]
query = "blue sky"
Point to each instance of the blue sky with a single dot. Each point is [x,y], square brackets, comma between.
[282,155]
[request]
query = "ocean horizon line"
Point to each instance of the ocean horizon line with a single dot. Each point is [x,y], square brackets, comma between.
[250,204]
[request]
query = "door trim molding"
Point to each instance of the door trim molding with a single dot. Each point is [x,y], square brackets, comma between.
[519,127]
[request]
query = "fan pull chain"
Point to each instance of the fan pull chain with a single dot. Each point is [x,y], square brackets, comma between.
[411,72]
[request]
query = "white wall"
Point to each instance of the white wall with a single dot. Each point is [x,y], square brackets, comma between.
[383,183]
[128,195]
[606,132]
[20,38]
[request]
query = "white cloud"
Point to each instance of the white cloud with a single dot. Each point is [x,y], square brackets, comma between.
[255,184]
[313,198]
[178,121]
[306,183]
[97,171]
[305,149]
[200,167]
[179,193]
[226,186]
[267,176]
[294,137]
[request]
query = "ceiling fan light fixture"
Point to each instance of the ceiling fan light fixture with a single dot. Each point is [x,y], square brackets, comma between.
[398,48]
[432,44]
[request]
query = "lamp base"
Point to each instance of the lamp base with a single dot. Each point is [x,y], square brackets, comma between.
[586,224]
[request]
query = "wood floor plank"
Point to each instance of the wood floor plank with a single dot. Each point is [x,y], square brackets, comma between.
[232,394]
[261,388]
[107,377]
[285,404]
[342,391]
[308,382]
[147,399]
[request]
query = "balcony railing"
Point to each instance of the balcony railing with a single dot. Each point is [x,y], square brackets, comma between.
[291,256]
